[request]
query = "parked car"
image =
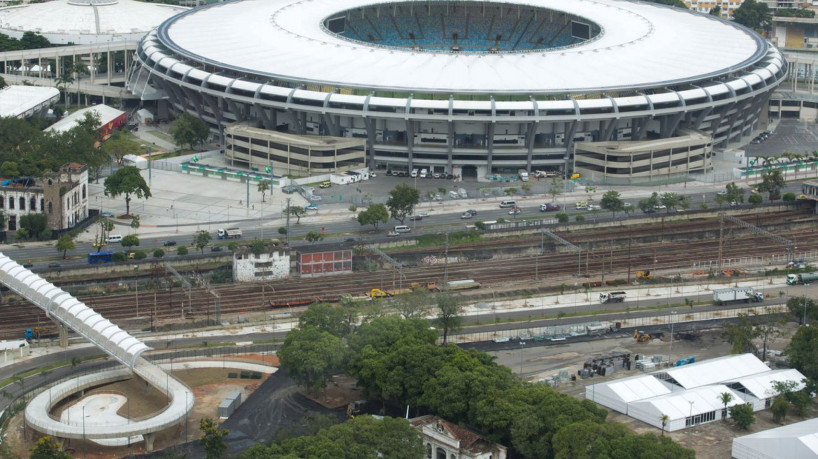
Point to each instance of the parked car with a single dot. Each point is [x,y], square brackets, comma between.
[216,248]
[466,215]
[472,212]
[28,264]
[169,243]
[415,218]
[108,214]
[290,189]
[54,265]
[311,206]
[393,234]
[325,184]
[515,211]
[549,207]
[436,174]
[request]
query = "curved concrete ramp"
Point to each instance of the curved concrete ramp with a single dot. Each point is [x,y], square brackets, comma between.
[69,311]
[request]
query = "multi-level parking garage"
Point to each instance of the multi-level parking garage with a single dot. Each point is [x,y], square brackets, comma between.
[471,87]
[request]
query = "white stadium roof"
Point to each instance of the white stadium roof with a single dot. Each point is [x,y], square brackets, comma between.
[795,441]
[23,101]
[641,45]
[85,21]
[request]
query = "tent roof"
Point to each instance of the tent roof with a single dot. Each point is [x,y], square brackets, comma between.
[637,388]
[712,371]
[17,100]
[106,115]
[795,441]
[761,385]
[677,404]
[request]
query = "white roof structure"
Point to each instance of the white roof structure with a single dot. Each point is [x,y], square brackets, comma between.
[721,369]
[677,404]
[795,441]
[106,115]
[24,101]
[641,44]
[761,385]
[617,394]
[85,21]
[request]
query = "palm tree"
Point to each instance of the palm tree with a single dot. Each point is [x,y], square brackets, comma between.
[664,418]
[725,397]
[63,81]
[79,68]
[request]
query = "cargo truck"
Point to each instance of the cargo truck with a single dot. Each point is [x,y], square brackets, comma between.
[745,294]
[523,175]
[229,233]
[803,278]
[612,297]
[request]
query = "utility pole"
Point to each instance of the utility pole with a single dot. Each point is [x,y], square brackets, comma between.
[288,222]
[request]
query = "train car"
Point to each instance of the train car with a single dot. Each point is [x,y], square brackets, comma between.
[463,284]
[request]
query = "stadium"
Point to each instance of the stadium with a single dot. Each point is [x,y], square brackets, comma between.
[616,90]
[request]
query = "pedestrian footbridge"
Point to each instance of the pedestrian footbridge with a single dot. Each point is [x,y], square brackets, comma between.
[119,344]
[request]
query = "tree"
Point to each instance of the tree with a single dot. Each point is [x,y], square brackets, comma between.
[734,193]
[202,240]
[212,439]
[771,182]
[755,199]
[650,203]
[9,169]
[48,448]
[611,201]
[131,240]
[79,69]
[715,11]
[801,308]
[665,419]
[188,130]
[326,318]
[556,187]
[780,409]
[158,253]
[741,335]
[414,304]
[725,398]
[127,181]
[309,355]
[803,351]
[135,222]
[448,317]
[562,217]
[374,215]
[670,200]
[788,197]
[742,415]
[119,145]
[181,251]
[63,82]
[753,14]
[64,244]
[402,201]
[313,236]
[262,187]
[36,225]
[295,211]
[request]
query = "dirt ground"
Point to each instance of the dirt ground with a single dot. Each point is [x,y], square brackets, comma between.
[712,440]
[339,393]
[210,386]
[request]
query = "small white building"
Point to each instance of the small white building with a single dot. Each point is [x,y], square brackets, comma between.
[795,441]
[272,263]
[136,161]
[62,196]
[444,440]
[691,394]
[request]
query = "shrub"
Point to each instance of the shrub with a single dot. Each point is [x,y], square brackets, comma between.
[562,217]
[580,218]
[788,197]
[140,255]
[480,225]
[182,250]
[118,256]
[158,253]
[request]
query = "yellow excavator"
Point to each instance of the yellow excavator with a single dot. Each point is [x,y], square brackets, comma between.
[641,337]
[643,274]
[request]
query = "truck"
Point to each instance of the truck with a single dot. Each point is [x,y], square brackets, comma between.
[745,294]
[612,297]
[229,233]
[800,279]
[523,175]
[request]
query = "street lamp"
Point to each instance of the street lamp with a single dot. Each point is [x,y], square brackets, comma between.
[690,425]
[150,160]
[522,345]
[670,351]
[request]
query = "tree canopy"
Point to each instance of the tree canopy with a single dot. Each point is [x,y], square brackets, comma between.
[753,14]
[64,244]
[127,181]
[402,201]
[309,355]
[202,240]
[374,215]
[188,130]
[803,351]
[612,201]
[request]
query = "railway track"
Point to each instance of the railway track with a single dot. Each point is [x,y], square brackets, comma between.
[611,258]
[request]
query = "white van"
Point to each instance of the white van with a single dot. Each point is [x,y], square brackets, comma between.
[414,173]
[114,238]
[402,229]
[505,204]
[424,173]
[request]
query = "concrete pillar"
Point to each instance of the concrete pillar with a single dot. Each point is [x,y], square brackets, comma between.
[149,438]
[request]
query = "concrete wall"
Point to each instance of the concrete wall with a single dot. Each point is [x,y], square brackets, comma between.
[266,266]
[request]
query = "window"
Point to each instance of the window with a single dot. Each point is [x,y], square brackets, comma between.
[2,202]
[42,204]
[50,208]
[33,203]
[11,203]
[83,192]
[22,203]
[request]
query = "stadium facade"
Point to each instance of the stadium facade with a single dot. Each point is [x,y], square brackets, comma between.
[471,87]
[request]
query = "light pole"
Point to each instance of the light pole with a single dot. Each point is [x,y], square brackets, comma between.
[670,351]
[804,321]
[522,345]
[689,427]
[150,160]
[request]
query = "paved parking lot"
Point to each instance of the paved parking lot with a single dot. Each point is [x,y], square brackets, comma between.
[793,136]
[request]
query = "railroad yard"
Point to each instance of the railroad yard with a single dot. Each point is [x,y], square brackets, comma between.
[681,249]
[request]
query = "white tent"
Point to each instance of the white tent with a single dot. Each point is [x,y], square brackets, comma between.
[144,116]
[795,441]
[716,370]
[684,408]
[616,395]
